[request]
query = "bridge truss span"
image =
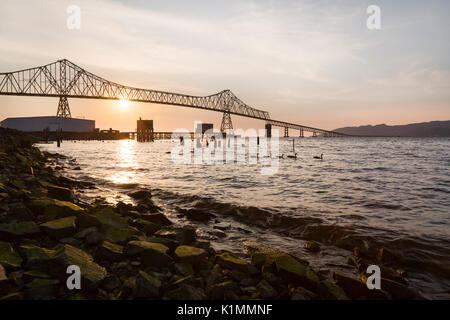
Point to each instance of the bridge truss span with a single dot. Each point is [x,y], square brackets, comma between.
[64,79]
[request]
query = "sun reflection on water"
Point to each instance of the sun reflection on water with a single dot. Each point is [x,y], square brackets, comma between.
[126,160]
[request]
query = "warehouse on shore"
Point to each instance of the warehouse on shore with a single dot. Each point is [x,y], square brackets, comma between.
[35,124]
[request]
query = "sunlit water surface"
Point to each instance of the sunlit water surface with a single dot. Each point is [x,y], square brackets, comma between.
[393,192]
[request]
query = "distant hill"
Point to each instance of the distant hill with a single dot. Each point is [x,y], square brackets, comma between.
[423,129]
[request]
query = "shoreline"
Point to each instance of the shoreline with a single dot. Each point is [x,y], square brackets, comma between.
[135,252]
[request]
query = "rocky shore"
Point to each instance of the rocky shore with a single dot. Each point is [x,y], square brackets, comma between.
[133,251]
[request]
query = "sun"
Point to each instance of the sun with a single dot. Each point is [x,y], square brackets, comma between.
[124,103]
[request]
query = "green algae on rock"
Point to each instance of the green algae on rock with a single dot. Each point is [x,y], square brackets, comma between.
[18,229]
[8,256]
[188,254]
[60,228]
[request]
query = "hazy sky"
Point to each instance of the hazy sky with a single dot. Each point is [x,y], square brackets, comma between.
[309,62]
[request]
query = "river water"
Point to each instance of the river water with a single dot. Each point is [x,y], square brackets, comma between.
[381,192]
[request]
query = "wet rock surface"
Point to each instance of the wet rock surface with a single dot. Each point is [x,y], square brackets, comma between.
[134,251]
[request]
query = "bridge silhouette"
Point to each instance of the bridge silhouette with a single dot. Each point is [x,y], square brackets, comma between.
[64,79]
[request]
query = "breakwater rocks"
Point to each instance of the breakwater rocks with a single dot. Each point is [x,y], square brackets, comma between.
[133,251]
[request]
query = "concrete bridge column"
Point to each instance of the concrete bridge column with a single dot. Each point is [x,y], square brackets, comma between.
[286,132]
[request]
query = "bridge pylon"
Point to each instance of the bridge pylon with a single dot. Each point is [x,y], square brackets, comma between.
[63,108]
[227,125]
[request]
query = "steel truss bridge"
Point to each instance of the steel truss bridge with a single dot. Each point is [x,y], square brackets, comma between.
[64,79]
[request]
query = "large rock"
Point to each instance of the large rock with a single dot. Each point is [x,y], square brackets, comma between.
[140,194]
[157,218]
[230,261]
[170,243]
[187,292]
[113,226]
[266,291]
[148,285]
[152,254]
[217,290]
[8,257]
[85,232]
[60,228]
[60,193]
[19,211]
[355,288]
[30,275]
[149,228]
[123,208]
[185,269]
[184,235]
[397,290]
[327,290]
[53,209]
[191,255]
[41,289]
[295,272]
[300,293]
[17,230]
[55,262]
[111,251]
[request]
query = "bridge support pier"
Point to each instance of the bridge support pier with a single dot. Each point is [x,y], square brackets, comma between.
[301,133]
[63,108]
[286,132]
[314,134]
[227,125]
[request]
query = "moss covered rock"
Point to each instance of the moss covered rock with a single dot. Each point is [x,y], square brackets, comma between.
[330,291]
[217,290]
[355,288]
[184,269]
[140,194]
[266,291]
[184,235]
[60,193]
[55,262]
[188,254]
[60,228]
[152,254]
[18,229]
[148,285]
[111,251]
[300,293]
[114,227]
[53,209]
[149,228]
[230,261]
[8,257]
[295,272]
[186,292]
[41,289]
